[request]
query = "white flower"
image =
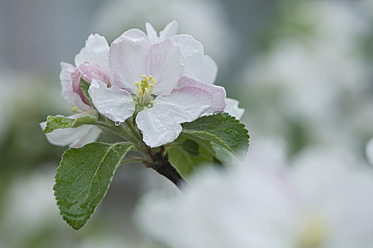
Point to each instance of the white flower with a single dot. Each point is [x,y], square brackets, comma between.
[91,63]
[151,73]
[196,64]
[318,202]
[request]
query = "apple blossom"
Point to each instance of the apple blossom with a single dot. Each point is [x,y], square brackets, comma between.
[321,201]
[149,79]
[146,90]
[196,64]
[91,63]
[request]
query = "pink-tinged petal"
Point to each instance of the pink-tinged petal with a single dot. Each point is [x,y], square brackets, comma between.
[152,34]
[165,65]
[233,109]
[218,93]
[158,126]
[114,103]
[187,103]
[68,75]
[74,137]
[128,59]
[76,76]
[169,31]
[90,72]
[95,52]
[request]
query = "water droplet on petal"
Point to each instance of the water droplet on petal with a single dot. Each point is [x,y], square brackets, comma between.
[117,123]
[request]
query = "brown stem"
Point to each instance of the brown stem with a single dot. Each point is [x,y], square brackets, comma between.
[163,167]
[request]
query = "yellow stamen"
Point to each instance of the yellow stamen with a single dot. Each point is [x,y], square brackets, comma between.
[313,234]
[75,109]
[144,89]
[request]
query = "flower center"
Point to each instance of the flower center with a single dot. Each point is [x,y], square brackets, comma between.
[313,234]
[144,90]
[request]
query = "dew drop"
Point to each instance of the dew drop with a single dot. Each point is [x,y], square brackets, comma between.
[117,123]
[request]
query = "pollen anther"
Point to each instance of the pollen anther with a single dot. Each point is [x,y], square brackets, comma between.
[144,89]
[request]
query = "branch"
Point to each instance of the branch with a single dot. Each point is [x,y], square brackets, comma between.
[163,167]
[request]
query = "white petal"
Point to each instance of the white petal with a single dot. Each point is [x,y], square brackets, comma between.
[165,66]
[217,91]
[158,126]
[114,103]
[202,68]
[169,30]
[197,65]
[233,109]
[187,44]
[95,52]
[152,34]
[133,34]
[66,77]
[187,103]
[208,71]
[91,135]
[75,137]
[67,81]
[128,59]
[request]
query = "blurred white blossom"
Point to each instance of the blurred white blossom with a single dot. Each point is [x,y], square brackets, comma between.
[369,151]
[320,201]
[22,98]
[314,80]
[29,207]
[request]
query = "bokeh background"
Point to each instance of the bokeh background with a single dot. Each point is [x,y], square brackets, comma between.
[301,69]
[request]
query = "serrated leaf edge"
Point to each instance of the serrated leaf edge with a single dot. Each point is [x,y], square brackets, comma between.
[58,199]
[74,122]
[221,142]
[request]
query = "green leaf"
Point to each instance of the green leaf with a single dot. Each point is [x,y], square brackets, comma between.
[209,140]
[222,155]
[191,147]
[222,129]
[84,86]
[83,178]
[58,122]
[189,153]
